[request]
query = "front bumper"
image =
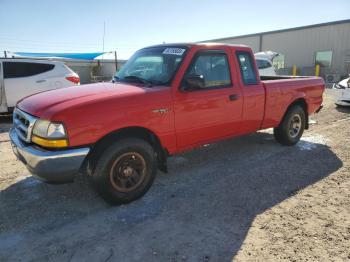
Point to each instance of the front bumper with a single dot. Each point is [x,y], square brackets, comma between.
[51,166]
[343,98]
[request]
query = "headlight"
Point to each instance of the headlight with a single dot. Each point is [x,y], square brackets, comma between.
[49,134]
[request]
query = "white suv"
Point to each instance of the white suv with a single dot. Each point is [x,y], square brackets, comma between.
[265,67]
[344,95]
[23,77]
[264,62]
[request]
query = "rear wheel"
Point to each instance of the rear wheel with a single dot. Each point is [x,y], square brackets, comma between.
[292,126]
[125,171]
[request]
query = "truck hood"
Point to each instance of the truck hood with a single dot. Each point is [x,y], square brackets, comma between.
[45,104]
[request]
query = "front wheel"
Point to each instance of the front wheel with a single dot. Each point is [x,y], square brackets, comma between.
[292,126]
[125,171]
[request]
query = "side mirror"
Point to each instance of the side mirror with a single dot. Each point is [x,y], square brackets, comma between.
[193,82]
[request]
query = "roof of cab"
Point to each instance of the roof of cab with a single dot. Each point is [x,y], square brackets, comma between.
[194,44]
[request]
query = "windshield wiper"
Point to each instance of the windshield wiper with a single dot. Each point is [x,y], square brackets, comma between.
[140,79]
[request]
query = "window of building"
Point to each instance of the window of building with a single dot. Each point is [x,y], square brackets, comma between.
[247,69]
[25,69]
[324,58]
[213,67]
[278,61]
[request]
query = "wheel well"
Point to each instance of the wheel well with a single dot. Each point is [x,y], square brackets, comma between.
[303,104]
[136,132]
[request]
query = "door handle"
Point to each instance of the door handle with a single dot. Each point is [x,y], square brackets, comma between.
[233,97]
[41,81]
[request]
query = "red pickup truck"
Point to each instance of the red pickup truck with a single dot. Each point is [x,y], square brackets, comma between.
[166,99]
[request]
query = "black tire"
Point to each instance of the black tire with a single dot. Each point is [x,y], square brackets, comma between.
[119,163]
[284,133]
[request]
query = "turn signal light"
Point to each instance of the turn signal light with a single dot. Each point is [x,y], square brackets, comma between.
[58,143]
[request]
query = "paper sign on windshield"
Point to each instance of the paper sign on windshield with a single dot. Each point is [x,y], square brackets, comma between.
[174,51]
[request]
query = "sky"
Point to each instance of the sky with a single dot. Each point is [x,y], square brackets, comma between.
[78,26]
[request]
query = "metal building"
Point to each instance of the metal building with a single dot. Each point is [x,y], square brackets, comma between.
[326,44]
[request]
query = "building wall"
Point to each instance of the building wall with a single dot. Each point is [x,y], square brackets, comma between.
[300,46]
[252,41]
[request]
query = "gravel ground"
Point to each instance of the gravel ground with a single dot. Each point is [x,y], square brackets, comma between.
[244,199]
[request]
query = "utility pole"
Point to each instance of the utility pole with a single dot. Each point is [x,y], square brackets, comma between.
[103,45]
[103,39]
[116,60]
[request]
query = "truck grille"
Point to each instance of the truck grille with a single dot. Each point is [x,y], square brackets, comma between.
[23,124]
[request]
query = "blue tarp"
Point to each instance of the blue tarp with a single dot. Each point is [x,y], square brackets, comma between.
[83,56]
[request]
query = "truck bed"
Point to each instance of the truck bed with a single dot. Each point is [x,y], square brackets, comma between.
[279,77]
[283,90]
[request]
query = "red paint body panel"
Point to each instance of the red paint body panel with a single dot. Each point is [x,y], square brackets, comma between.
[90,112]
[206,115]
[281,93]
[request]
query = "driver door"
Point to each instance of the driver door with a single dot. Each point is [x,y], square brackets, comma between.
[212,112]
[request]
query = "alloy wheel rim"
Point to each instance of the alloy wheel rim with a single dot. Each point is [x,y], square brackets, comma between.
[295,126]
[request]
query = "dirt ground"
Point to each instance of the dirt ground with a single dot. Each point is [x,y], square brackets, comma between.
[245,199]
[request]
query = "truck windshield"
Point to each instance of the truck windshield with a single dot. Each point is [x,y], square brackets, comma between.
[152,66]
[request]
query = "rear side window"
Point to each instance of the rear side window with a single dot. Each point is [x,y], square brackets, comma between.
[25,69]
[262,64]
[247,68]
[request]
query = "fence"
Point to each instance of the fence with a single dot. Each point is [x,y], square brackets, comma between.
[311,71]
[94,71]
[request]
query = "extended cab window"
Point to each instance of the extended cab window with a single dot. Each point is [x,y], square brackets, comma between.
[25,69]
[213,68]
[247,68]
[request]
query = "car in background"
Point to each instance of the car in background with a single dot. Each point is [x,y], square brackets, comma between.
[264,62]
[265,67]
[344,96]
[20,78]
